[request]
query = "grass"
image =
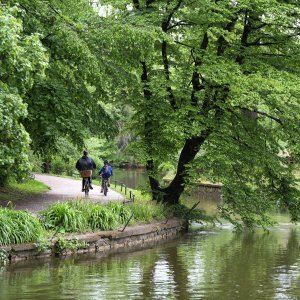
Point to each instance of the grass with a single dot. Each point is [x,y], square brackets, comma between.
[18,191]
[144,209]
[102,218]
[65,217]
[83,216]
[138,195]
[18,227]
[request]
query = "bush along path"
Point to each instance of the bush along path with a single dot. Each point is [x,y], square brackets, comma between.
[61,189]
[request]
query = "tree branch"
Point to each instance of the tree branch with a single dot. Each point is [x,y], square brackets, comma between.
[136,4]
[269,116]
[181,23]
[222,43]
[197,85]
[260,113]
[166,22]
[164,53]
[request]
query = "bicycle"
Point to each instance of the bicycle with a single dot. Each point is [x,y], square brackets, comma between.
[86,186]
[105,186]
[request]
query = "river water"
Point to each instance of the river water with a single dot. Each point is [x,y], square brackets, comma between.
[136,178]
[204,264]
[216,263]
[131,178]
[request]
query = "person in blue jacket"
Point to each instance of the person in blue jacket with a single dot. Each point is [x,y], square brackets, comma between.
[105,172]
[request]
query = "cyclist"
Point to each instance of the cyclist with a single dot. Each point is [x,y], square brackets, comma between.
[85,163]
[105,173]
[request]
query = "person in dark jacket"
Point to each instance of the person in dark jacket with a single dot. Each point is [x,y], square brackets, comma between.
[85,163]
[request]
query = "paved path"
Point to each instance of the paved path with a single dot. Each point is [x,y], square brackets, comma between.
[63,189]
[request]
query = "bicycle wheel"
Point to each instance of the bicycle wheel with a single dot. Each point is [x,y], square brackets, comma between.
[86,187]
[105,188]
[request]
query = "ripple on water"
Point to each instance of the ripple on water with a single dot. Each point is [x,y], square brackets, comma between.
[210,264]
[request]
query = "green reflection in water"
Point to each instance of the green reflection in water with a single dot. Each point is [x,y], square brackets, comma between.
[215,264]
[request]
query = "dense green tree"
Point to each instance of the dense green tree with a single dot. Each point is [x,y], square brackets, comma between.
[218,83]
[213,85]
[22,60]
[70,100]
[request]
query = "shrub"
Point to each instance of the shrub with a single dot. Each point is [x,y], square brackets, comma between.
[102,218]
[74,216]
[57,165]
[36,162]
[119,210]
[148,211]
[18,227]
[70,169]
[64,217]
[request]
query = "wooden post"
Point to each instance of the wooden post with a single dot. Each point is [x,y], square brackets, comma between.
[127,223]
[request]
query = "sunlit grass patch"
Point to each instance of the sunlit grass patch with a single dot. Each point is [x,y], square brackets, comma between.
[138,195]
[82,216]
[102,218]
[149,211]
[145,210]
[30,186]
[122,211]
[18,191]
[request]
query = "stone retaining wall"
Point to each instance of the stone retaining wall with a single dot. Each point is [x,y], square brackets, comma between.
[101,241]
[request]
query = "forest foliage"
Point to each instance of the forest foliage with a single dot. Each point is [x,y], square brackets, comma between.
[211,87]
[216,93]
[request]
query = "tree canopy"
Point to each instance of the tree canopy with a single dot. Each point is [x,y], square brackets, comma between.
[69,99]
[212,86]
[216,89]
[22,60]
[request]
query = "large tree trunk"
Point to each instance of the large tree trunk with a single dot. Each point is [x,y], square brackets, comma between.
[172,193]
[46,167]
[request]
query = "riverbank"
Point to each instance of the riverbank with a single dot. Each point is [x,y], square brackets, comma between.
[98,241]
[28,226]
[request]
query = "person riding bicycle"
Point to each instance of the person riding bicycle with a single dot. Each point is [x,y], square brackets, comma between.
[105,172]
[85,163]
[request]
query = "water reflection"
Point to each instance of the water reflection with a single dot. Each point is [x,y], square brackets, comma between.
[131,178]
[216,264]
[209,198]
